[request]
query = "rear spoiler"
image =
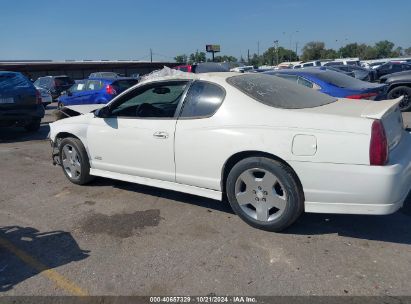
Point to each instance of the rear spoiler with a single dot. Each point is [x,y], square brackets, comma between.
[377,109]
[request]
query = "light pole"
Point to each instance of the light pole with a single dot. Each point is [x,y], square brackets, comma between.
[290,36]
[276,48]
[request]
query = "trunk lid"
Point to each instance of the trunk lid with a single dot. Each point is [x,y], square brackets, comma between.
[389,113]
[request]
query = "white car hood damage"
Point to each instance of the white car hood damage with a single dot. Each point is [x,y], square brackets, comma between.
[84,109]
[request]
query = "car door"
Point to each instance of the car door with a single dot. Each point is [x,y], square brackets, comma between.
[90,91]
[75,94]
[135,136]
[197,137]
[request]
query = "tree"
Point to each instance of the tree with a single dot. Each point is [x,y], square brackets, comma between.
[181,58]
[197,57]
[407,51]
[313,50]
[384,49]
[225,58]
[272,54]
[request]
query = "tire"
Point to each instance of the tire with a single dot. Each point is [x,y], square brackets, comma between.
[273,198]
[74,161]
[405,105]
[33,126]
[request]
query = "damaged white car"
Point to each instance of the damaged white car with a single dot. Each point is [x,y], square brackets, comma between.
[272,147]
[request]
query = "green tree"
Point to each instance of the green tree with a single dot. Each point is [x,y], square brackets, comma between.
[384,49]
[313,50]
[271,55]
[225,58]
[197,57]
[407,51]
[329,54]
[181,58]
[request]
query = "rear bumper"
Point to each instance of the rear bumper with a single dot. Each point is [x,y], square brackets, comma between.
[358,189]
[12,115]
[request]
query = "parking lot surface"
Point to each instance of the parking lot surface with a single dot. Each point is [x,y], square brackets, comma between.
[117,238]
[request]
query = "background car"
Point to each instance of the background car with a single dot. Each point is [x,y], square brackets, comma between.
[20,102]
[332,68]
[105,75]
[204,67]
[54,84]
[333,83]
[359,72]
[46,97]
[392,67]
[399,84]
[96,90]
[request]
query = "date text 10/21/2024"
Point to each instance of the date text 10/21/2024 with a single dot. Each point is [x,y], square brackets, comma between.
[204,299]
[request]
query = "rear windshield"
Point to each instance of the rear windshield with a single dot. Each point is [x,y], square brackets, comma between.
[11,81]
[341,80]
[63,81]
[279,93]
[122,85]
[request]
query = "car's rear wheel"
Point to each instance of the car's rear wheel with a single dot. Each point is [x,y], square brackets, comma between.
[405,104]
[74,161]
[34,125]
[265,193]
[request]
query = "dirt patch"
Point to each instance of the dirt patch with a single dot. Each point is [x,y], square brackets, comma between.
[121,225]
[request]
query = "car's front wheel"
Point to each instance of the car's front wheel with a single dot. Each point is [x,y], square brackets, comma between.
[74,161]
[265,193]
[405,104]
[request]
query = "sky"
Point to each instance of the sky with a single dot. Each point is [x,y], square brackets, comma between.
[127,29]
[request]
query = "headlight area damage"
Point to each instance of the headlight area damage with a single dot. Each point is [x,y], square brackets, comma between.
[67,112]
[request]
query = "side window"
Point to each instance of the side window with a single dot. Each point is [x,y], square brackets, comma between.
[93,85]
[152,100]
[203,100]
[78,87]
[288,77]
[305,82]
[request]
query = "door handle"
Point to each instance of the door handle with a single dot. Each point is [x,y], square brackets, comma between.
[161,135]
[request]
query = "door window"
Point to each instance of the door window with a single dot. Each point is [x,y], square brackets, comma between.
[158,100]
[78,87]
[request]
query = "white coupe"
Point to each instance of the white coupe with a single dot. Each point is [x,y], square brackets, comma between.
[272,147]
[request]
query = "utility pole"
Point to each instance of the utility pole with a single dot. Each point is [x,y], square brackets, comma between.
[296,48]
[248,56]
[258,48]
[276,48]
[151,55]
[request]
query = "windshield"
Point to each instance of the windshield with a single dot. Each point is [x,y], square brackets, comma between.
[279,93]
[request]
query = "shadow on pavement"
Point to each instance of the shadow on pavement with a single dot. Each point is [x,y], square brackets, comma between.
[394,228]
[18,134]
[26,252]
[167,194]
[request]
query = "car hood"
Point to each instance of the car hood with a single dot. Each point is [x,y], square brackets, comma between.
[84,109]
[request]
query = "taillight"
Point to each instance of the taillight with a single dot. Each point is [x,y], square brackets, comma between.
[362,96]
[38,97]
[110,90]
[378,145]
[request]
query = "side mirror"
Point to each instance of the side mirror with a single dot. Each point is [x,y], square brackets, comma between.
[102,112]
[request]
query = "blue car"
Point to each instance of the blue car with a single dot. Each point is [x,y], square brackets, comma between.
[333,83]
[20,102]
[95,90]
